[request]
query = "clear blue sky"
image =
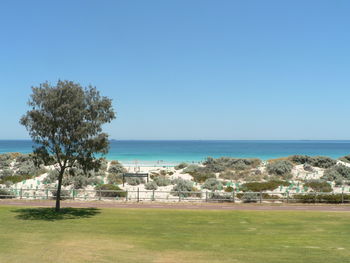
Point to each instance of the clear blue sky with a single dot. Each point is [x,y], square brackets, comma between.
[186,69]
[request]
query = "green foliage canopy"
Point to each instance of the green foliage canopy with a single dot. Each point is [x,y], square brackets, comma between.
[65,122]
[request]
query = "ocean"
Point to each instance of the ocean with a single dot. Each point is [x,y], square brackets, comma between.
[172,152]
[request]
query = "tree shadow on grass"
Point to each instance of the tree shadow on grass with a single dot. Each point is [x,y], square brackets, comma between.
[49,214]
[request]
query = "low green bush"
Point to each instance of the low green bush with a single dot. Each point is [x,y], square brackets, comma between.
[229,189]
[319,186]
[316,161]
[52,177]
[337,174]
[220,197]
[191,169]
[115,178]
[6,173]
[279,167]
[162,180]
[134,180]
[151,186]
[321,198]
[110,190]
[248,197]
[116,168]
[263,186]
[184,188]
[223,163]
[322,162]
[299,159]
[212,184]
[14,178]
[307,167]
[345,159]
[5,194]
[202,176]
[181,166]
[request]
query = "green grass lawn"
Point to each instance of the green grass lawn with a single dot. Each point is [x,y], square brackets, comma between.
[137,235]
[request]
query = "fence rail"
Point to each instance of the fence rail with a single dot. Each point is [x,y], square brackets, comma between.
[177,196]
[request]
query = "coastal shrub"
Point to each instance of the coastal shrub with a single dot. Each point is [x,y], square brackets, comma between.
[163,172]
[52,177]
[116,168]
[321,198]
[154,175]
[228,175]
[199,174]
[337,174]
[181,166]
[307,167]
[315,161]
[110,190]
[212,184]
[345,159]
[6,173]
[248,197]
[229,189]
[202,176]
[21,158]
[103,164]
[280,167]
[134,180]
[151,186]
[5,160]
[183,188]
[114,178]
[319,186]
[191,169]
[29,168]
[252,177]
[220,197]
[322,162]
[299,159]
[75,177]
[14,179]
[223,163]
[162,181]
[5,194]
[79,181]
[263,186]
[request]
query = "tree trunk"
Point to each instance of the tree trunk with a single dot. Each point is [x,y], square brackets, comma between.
[58,193]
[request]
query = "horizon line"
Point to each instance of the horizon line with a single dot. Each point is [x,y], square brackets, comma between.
[205,139]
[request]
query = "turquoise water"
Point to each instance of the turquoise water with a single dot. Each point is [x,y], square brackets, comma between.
[162,152]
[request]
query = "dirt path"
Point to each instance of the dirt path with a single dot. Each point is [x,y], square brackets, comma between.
[190,206]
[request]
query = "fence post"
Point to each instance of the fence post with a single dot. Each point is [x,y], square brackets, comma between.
[233,195]
[179,193]
[315,197]
[126,195]
[153,196]
[138,194]
[20,193]
[73,197]
[287,197]
[260,197]
[342,197]
[47,194]
[206,196]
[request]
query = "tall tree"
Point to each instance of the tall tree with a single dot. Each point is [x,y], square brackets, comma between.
[65,123]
